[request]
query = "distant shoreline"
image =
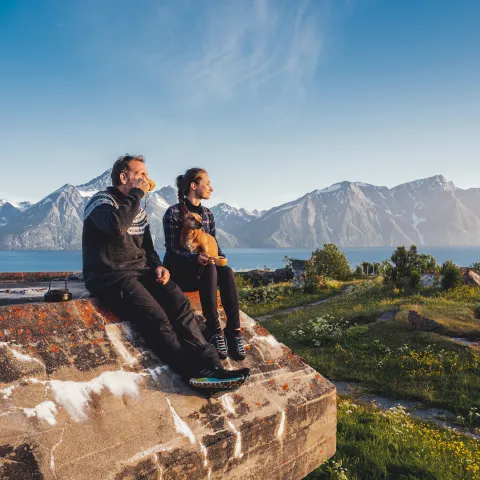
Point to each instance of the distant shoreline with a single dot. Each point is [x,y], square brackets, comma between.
[240,259]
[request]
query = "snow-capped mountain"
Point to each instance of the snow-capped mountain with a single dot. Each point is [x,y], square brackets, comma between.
[431,211]
[53,223]
[95,185]
[169,194]
[230,218]
[8,212]
[22,206]
[56,221]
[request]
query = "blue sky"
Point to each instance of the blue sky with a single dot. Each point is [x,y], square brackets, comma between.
[274,97]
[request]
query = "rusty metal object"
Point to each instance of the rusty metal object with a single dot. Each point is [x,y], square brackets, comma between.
[82,398]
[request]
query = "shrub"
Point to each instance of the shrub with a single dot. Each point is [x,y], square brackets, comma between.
[331,262]
[242,282]
[451,276]
[264,294]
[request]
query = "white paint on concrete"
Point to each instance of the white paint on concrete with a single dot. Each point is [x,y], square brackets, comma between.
[228,404]
[268,339]
[45,411]
[246,320]
[21,356]
[203,449]
[114,334]
[36,381]
[238,444]
[7,392]
[52,454]
[180,426]
[75,396]
[148,452]
[281,427]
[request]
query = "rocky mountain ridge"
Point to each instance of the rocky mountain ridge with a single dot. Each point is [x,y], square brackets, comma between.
[430,211]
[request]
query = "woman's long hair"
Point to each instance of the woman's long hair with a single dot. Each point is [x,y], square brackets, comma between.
[184,181]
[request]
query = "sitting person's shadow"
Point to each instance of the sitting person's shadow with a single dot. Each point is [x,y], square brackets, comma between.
[150,356]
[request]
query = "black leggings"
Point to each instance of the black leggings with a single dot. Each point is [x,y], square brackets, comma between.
[211,277]
[163,316]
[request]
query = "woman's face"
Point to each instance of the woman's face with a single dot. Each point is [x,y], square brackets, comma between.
[203,189]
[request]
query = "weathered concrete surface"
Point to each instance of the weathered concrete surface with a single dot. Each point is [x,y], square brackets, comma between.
[81,398]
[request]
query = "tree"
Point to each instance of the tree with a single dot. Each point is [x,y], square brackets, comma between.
[387,269]
[408,265]
[427,263]
[331,262]
[414,282]
[402,268]
[367,268]
[451,275]
[358,270]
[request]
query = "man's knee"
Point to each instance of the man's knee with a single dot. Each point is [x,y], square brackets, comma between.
[175,295]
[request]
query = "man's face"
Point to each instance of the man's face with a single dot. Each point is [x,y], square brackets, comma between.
[136,170]
[203,189]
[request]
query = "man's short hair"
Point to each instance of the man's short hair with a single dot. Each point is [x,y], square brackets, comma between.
[122,165]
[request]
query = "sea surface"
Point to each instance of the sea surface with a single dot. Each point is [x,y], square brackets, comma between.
[238,258]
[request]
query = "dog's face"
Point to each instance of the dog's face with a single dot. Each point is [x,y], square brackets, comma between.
[193,221]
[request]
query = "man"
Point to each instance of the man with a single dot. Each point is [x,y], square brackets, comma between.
[122,268]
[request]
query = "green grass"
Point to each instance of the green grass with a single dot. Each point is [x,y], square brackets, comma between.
[342,341]
[339,339]
[286,301]
[382,445]
[269,299]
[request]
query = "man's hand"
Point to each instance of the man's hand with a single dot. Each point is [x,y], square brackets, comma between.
[162,274]
[142,183]
[204,259]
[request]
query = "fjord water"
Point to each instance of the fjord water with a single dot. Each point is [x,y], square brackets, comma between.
[238,258]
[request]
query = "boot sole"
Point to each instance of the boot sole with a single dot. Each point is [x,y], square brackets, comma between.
[210,384]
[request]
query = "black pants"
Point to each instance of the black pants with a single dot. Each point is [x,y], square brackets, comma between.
[163,316]
[211,277]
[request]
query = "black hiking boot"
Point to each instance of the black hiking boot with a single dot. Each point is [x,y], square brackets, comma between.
[236,349]
[218,341]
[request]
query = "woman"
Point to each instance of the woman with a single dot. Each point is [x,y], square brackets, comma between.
[192,271]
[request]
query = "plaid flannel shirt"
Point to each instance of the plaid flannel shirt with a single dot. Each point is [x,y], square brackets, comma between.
[172,227]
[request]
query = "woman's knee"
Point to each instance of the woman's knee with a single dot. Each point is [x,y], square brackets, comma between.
[226,272]
[209,271]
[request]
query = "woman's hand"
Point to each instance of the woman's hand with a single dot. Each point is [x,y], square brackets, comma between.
[203,259]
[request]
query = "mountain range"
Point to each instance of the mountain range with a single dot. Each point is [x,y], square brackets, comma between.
[430,211]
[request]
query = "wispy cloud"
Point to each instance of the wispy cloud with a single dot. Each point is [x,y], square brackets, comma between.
[247,45]
[250,44]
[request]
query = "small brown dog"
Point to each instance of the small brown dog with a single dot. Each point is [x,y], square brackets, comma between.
[194,239]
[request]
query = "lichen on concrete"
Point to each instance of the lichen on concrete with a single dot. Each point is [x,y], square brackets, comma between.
[81,397]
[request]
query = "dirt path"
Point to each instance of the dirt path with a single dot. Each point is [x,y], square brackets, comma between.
[439,416]
[294,309]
